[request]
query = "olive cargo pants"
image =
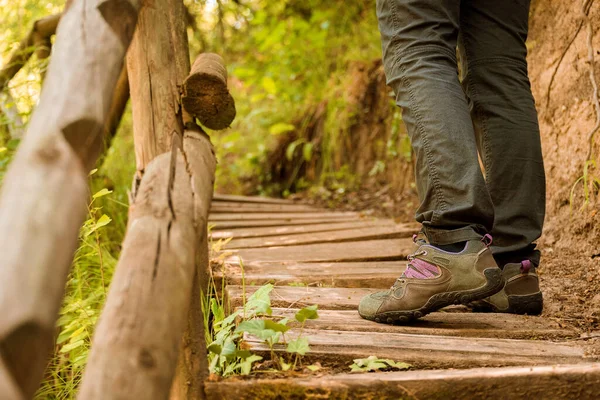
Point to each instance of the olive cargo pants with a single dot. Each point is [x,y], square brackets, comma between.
[491,111]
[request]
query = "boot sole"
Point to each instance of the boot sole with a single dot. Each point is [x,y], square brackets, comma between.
[495,283]
[530,304]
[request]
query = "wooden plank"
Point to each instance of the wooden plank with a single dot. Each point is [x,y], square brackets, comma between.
[248,199]
[425,351]
[348,235]
[371,250]
[291,296]
[556,382]
[503,326]
[220,225]
[267,231]
[266,216]
[228,207]
[373,274]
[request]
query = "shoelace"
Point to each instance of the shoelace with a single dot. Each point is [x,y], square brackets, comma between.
[417,268]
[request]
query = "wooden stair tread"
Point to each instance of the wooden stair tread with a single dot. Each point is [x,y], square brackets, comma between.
[287,215]
[330,226]
[427,351]
[292,296]
[347,235]
[366,274]
[279,222]
[247,199]
[556,382]
[227,207]
[503,326]
[384,249]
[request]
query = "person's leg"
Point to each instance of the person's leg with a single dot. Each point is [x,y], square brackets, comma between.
[419,51]
[494,67]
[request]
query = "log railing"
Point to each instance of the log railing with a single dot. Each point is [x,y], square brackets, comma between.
[149,343]
[44,193]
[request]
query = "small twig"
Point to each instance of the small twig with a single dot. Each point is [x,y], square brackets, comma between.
[560,60]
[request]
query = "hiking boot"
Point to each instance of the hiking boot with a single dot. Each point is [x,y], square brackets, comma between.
[433,279]
[521,293]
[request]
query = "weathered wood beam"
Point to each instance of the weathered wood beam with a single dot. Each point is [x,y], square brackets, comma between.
[555,382]
[136,344]
[44,193]
[205,94]
[38,40]
[158,62]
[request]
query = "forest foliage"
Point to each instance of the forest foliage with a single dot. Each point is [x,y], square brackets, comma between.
[283,58]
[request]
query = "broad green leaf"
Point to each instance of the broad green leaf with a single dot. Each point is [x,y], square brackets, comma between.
[298,346]
[257,328]
[309,312]
[313,368]
[3,149]
[285,366]
[280,128]
[92,172]
[101,193]
[260,302]
[277,327]
[215,348]
[246,365]
[102,221]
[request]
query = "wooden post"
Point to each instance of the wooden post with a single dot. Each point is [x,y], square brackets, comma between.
[158,63]
[136,344]
[43,197]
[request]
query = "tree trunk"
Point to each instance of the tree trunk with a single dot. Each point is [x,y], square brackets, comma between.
[43,198]
[38,39]
[158,62]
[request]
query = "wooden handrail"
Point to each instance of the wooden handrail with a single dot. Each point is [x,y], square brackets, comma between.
[44,193]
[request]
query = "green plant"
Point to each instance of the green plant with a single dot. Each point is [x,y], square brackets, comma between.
[590,184]
[227,355]
[373,363]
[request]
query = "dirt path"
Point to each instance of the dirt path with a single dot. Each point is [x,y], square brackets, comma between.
[332,259]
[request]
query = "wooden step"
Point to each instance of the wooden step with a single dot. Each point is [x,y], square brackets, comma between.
[226,207]
[369,250]
[226,225]
[247,199]
[372,274]
[292,296]
[330,226]
[557,382]
[426,351]
[276,216]
[482,325]
[348,235]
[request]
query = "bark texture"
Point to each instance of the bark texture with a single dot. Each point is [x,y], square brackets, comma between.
[43,198]
[136,344]
[158,63]
[205,94]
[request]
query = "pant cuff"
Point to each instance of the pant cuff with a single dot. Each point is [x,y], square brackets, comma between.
[448,236]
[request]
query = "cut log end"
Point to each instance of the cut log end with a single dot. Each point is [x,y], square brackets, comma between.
[205,93]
